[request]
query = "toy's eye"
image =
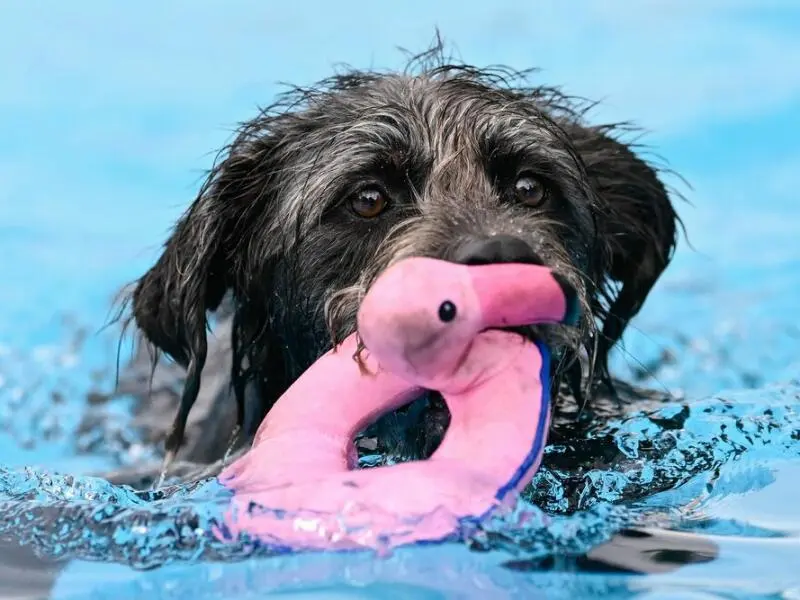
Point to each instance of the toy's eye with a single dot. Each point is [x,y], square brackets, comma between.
[447,311]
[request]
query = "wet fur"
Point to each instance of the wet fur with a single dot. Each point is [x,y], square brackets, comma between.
[270,241]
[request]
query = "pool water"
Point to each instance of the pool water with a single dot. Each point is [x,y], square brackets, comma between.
[107,120]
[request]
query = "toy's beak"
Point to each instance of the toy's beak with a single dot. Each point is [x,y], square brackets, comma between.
[515,295]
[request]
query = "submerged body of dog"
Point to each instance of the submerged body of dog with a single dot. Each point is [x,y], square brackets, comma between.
[319,194]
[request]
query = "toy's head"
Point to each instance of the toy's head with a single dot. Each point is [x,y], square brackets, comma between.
[421,315]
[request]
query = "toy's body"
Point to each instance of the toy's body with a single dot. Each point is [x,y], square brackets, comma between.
[300,472]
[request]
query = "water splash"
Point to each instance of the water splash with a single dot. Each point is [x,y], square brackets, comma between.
[53,404]
[566,512]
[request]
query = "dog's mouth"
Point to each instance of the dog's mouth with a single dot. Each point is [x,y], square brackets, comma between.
[415,431]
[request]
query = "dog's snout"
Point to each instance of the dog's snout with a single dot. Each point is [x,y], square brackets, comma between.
[496,249]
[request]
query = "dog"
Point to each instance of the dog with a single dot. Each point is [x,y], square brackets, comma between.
[331,184]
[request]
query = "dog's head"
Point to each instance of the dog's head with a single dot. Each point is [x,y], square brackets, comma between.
[328,187]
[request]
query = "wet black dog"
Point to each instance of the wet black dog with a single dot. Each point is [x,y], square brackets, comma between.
[323,190]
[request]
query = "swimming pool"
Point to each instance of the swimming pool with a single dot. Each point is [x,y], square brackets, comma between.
[107,119]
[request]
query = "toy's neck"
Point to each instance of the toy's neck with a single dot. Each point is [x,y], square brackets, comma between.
[499,425]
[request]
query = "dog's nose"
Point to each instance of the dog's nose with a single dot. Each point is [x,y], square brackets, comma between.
[496,249]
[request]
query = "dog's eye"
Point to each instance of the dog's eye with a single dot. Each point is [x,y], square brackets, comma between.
[369,203]
[530,190]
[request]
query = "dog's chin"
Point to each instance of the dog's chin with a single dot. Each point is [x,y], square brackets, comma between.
[412,432]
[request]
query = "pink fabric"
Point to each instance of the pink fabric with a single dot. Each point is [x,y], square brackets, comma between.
[303,459]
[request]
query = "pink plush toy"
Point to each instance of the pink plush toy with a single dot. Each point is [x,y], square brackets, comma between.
[426,325]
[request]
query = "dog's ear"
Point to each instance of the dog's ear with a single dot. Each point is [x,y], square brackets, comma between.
[199,264]
[636,223]
[170,302]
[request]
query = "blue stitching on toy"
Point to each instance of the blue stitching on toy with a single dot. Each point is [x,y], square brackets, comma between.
[536,448]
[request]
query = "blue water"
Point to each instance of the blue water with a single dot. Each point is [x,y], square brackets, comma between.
[108,117]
